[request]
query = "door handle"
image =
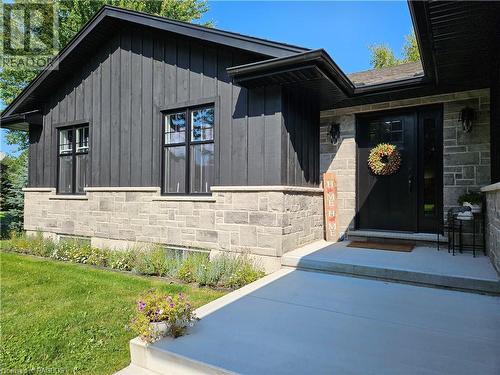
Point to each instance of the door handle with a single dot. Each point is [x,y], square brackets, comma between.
[410,180]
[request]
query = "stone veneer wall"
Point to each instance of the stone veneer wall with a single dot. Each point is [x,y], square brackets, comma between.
[264,221]
[466,158]
[492,193]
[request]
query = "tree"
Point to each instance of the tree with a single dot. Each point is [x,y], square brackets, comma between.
[16,177]
[410,49]
[382,55]
[72,15]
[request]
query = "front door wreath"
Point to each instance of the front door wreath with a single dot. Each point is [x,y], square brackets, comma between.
[384,159]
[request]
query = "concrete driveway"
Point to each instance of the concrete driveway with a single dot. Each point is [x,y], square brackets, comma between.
[299,322]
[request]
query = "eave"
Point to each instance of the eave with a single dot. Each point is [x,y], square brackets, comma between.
[22,121]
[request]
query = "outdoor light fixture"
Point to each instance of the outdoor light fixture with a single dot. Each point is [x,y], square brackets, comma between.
[467,115]
[334,133]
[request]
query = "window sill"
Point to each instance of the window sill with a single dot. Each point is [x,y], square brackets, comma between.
[69,197]
[185,198]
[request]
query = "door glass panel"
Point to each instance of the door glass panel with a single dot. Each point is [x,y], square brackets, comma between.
[175,169]
[386,132]
[430,166]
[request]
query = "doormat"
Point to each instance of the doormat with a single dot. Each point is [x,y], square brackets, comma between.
[382,246]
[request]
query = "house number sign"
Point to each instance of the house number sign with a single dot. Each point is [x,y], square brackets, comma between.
[330,204]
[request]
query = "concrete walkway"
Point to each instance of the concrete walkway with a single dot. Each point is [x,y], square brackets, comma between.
[300,322]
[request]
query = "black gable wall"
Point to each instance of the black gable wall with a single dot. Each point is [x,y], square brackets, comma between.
[123,87]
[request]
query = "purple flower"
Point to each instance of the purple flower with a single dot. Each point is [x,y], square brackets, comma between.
[181,295]
[169,298]
[141,305]
[171,305]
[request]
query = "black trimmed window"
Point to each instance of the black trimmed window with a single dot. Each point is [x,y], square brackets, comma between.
[188,150]
[73,159]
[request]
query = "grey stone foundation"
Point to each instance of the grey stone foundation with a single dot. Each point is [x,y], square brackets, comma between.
[466,156]
[262,221]
[492,193]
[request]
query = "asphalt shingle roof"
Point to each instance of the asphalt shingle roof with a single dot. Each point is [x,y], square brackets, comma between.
[388,74]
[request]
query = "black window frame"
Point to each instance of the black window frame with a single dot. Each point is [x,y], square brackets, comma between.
[74,154]
[187,144]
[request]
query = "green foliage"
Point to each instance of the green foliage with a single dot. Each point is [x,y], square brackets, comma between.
[121,260]
[192,266]
[226,271]
[175,312]
[71,318]
[158,261]
[243,275]
[14,180]
[383,56]
[472,197]
[410,49]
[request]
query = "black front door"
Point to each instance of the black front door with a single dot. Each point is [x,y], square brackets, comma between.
[408,200]
[387,202]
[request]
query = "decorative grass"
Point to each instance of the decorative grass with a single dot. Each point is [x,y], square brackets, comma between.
[224,271]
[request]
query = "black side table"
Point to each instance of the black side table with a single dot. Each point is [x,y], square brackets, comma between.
[477,218]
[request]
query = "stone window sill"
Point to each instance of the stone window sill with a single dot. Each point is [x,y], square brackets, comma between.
[69,197]
[185,198]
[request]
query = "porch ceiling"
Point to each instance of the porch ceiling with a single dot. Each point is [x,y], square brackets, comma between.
[458,40]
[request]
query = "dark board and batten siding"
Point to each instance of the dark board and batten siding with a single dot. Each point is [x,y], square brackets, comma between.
[122,89]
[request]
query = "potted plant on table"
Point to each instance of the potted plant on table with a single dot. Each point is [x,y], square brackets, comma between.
[471,199]
[159,315]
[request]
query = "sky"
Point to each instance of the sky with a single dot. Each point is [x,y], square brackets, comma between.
[345,29]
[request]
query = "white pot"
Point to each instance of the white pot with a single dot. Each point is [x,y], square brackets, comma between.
[160,328]
[475,208]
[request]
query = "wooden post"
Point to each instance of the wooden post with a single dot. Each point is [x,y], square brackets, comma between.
[330,204]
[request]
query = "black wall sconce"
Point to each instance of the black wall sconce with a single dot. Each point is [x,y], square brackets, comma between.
[334,133]
[467,116]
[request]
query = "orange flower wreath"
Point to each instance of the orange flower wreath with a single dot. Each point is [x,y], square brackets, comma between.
[384,159]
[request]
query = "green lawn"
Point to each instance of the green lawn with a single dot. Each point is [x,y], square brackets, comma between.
[71,317]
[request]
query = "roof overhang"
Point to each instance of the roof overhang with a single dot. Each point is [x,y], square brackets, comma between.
[316,71]
[458,41]
[22,121]
[309,65]
[109,17]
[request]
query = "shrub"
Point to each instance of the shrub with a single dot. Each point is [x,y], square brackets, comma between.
[246,273]
[157,261]
[98,257]
[155,307]
[472,197]
[122,260]
[192,266]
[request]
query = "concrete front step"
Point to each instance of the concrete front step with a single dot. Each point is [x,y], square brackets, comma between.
[156,359]
[424,265]
[427,238]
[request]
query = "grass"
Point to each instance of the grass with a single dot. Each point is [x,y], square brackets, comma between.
[69,317]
